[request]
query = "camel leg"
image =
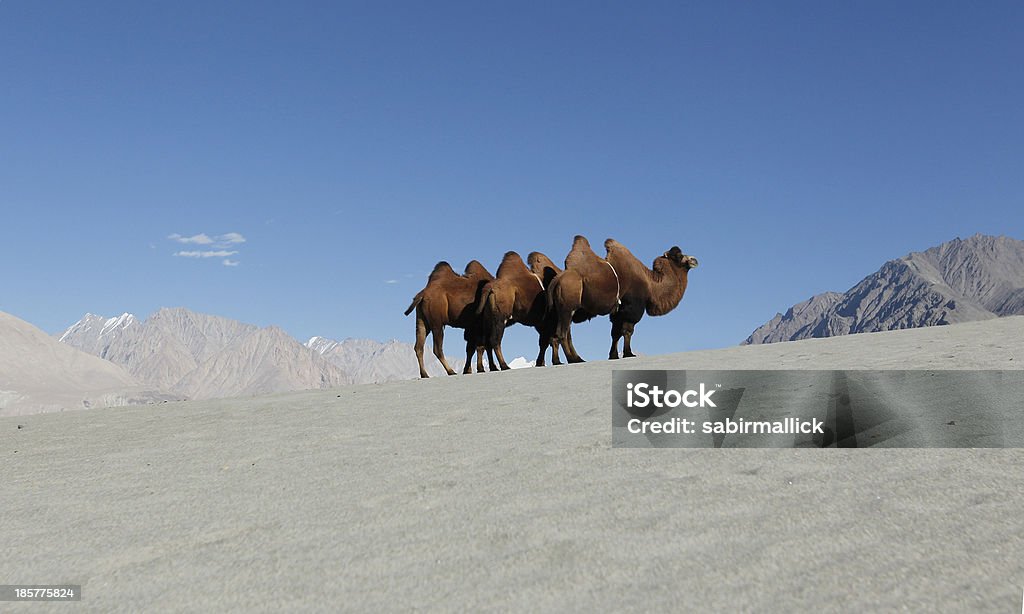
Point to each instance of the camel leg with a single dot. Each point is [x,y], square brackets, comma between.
[562,333]
[542,341]
[613,353]
[493,342]
[546,339]
[438,333]
[470,351]
[570,354]
[554,352]
[627,334]
[567,301]
[502,365]
[492,364]
[421,340]
[548,335]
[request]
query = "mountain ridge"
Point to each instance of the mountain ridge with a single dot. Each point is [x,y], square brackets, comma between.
[38,374]
[962,280]
[202,356]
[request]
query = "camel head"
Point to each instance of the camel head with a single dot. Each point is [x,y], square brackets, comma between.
[678,258]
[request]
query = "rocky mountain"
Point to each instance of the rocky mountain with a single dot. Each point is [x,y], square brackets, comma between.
[962,280]
[37,374]
[199,356]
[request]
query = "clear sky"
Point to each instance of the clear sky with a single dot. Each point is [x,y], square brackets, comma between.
[791,147]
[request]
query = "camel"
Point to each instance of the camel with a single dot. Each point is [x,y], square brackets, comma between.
[656,291]
[517,295]
[589,286]
[586,289]
[450,299]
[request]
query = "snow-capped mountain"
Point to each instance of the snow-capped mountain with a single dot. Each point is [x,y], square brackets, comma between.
[200,356]
[963,280]
[521,363]
[37,373]
[93,330]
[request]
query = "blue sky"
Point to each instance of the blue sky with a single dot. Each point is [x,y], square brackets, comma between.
[792,147]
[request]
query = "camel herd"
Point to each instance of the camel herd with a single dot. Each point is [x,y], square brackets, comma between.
[539,294]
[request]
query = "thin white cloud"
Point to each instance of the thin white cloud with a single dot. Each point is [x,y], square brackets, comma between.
[199,239]
[391,281]
[221,253]
[231,238]
[228,238]
[219,246]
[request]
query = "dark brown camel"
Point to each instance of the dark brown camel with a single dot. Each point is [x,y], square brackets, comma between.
[517,295]
[630,290]
[450,299]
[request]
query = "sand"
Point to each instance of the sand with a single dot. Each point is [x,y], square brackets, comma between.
[502,492]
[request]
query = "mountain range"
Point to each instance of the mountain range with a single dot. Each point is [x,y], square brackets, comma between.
[38,374]
[199,356]
[962,280]
[179,354]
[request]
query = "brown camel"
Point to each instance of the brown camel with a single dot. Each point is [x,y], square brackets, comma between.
[588,286]
[631,290]
[656,291]
[450,299]
[517,295]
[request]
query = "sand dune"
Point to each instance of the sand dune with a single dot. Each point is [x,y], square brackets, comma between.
[501,491]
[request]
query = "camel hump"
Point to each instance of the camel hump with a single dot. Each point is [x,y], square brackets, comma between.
[614,247]
[581,254]
[441,270]
[581,241]
[610,244]
[475,269]
[511,264]
[541,264]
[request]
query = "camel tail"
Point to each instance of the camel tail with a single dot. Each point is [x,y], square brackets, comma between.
[549,294]
[485,300]
[415,301]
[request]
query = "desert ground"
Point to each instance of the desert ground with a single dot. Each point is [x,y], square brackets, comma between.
[501,491]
